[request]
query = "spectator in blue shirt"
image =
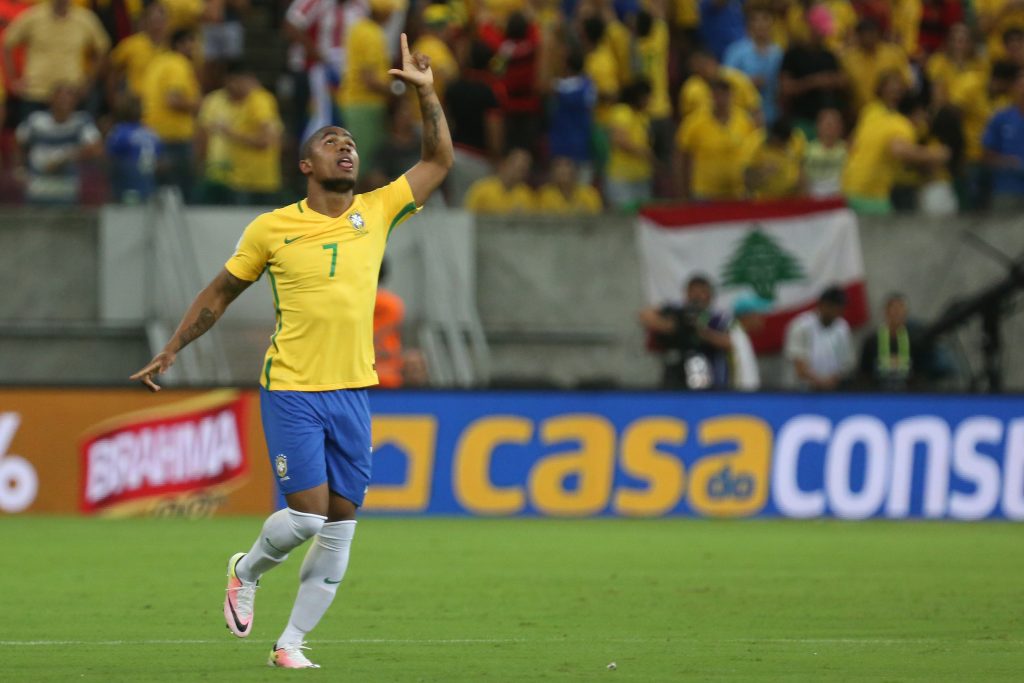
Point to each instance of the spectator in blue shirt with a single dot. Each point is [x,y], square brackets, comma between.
[1004,151]
[721,25]
[132,149]
[571,116]
[760,58]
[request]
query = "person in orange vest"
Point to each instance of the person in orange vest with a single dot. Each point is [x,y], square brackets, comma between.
[388,314]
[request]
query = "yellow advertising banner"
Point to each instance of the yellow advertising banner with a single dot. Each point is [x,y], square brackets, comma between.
[119,452]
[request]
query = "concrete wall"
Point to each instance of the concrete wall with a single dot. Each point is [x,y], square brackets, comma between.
[558,298]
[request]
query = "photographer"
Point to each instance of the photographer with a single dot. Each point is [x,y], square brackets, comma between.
[692,339]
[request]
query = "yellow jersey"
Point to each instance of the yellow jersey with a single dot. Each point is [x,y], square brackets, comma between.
[696,93]
[779,168]
[217,109]
[1008,17]
[635,127]
[864,69]
[323,275]
[367,50]
[489,195]
[717,152]
[134,54]
[871,168]
[970,93]
[584,200]
[943,71]
[601,67]
[169,72]
[652,51]
[251,169]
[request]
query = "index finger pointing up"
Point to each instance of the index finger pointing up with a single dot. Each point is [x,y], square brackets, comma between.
[405,47]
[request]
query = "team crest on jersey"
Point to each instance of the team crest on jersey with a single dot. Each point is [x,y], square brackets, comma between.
[356,219]
[281,465]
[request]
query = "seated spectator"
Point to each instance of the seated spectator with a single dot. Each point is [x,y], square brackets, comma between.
[170,102]
[826,156]
[693,339]
[893,358]
[565,194]
[52,145]
[506,191]
[709,144]
[366,86]
[818,345]
[810,78]
[957,58]
[759,58]
[938,20]
[474,114]
[630,164]
[868,58]
[132,150]
[132,56]
[775,162]
[516,47]
[748,319]
[571,119]
[882,142]
[696,91]
[61,41]
[721,25]
[1004,151]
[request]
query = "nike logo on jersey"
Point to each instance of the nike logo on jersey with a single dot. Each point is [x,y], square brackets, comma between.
[329,581]
[289,240]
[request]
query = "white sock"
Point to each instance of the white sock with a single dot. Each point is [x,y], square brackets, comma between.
[283,531]
[322,571]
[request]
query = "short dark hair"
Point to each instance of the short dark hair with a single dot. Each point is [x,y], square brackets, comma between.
[895,296]
[634,93]
[1004,71]
[867,25]
[236,67]
[306,150]
[644,23]
[480,55]
[575,61]
[833,294]
[699,279]
[517,26]
[593,29]
[781,130]
[180,36]
[1012,33]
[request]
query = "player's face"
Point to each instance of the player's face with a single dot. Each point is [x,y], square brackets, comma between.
[334,159]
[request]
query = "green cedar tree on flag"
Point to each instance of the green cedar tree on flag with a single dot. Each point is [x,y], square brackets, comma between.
[761,263]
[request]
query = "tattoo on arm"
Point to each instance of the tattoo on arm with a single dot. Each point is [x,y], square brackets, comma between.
[431,125]
[203,322]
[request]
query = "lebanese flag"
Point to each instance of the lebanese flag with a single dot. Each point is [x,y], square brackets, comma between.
[786,251]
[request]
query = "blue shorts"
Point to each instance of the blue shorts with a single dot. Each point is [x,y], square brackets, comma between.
[319,436]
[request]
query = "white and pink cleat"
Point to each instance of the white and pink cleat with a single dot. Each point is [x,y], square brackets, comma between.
[290,657]
[239,601]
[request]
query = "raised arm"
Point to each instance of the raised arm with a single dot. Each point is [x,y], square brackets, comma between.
[437,154]
[208,306]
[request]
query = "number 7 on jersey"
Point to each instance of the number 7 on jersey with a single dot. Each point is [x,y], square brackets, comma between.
[333,246]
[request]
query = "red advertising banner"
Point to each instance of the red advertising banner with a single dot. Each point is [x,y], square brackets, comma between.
[119,452]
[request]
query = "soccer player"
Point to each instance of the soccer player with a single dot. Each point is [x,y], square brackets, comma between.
[322,255]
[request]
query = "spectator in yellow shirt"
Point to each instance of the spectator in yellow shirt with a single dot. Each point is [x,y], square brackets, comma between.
[433,43]
[631,162]
[995,17]
[882,142]
[170,101]
[775,166]
[957,58]
[696,91]
[506,191]
[211,146]
[868,58]
[600,65]
[710,145]
[253,139]
[365,90]
[565,194]
[133,55]
[1013,46]
[61,40]
[652,53]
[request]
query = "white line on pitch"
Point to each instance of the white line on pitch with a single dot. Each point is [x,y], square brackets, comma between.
[507,641]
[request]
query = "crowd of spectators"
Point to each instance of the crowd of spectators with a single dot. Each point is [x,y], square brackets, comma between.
[555,107]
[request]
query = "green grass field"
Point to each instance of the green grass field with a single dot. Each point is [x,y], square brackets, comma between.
[527,600]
